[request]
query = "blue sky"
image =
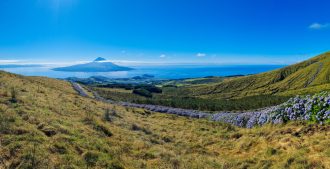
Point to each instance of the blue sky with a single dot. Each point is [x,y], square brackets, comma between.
[164,31]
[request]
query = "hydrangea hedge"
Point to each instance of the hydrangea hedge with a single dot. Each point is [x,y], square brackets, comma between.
[315,109]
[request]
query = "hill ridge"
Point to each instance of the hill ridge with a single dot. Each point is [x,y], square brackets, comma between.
[306,74]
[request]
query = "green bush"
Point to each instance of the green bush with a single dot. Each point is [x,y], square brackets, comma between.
[91,159]
[102,129]
[142,92]
[13,95]
[150,88]
[247,103]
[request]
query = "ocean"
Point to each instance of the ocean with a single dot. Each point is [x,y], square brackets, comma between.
[160,72]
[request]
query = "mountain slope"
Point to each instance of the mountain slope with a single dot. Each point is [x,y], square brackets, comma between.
[98,65]
[44,123]
[311,75]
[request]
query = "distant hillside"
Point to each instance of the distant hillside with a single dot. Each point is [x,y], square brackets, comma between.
[98,65]
[309,76]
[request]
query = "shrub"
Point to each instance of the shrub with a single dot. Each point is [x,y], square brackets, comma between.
[135,127]
[59,148]
[13,95]
[118,85]
[116,165]
[7,118]
[271,151]
[103,129]
[315,109]
[34,158]
[89,117]
[169,85]
[110,115]
[138,128]
[107,115]
[247,103]
[91,159]
[167,139]
[142,92]
[150,88]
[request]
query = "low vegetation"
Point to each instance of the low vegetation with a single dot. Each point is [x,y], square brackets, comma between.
[144,90]
[314,109]
[51,126]
[170,98]
[248,103]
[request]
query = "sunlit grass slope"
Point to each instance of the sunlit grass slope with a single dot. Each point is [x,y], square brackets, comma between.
[309,76]
[45,124]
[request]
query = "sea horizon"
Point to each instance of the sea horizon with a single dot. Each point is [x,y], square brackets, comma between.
[158,71]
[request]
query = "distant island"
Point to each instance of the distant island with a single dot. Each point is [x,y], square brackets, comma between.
[98,65]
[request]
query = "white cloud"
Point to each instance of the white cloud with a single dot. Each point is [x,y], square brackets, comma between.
[318,26]
[201,54]
[8,61]
[162,56]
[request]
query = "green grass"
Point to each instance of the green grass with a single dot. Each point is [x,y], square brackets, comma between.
[170,97]
[193,81]
[51,126]
[309,76]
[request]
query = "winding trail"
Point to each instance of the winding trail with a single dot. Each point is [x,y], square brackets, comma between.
[246,119]
[79,89]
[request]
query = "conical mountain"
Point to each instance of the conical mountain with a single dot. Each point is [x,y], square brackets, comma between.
[98,65]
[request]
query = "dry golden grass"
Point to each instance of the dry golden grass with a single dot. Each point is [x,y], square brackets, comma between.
[51,126]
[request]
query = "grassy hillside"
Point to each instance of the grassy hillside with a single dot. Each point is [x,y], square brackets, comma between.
[174,97]
[170,98]
[45,124]
[306,77]
[237,93]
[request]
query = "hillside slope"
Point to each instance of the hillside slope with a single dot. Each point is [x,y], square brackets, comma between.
[309,76]
[44,123]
